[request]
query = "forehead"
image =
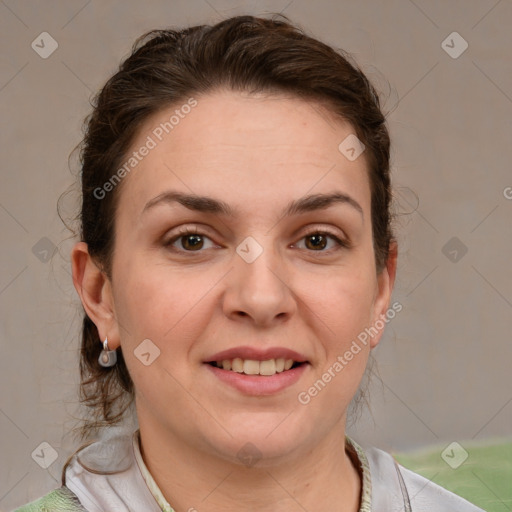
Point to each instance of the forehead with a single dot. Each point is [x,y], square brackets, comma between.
[248,147]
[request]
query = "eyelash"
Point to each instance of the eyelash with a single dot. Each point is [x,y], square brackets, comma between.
[342,244]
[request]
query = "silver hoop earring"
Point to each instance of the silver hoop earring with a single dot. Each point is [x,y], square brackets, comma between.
[107,357]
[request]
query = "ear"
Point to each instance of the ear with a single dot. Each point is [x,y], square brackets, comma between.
[385,284]
[95,291]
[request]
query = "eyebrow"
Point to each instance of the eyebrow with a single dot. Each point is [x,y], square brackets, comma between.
[207,204]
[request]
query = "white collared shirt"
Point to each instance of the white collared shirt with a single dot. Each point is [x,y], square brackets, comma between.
[110,474]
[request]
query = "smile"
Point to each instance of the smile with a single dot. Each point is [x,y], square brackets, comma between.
[253,367]
[257,371]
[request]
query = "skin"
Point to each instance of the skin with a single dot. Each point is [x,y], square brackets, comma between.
[256,153]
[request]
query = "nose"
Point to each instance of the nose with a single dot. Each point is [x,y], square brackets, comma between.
[259,287]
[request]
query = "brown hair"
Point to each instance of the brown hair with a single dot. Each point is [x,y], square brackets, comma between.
[166,67]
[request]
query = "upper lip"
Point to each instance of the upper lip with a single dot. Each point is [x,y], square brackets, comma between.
[257,354]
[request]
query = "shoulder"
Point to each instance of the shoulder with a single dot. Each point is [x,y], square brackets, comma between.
[105,474]
[392,483]
[58,500]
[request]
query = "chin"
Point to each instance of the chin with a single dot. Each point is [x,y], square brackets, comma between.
[263,439]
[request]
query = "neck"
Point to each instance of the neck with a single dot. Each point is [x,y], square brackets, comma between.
[321,477]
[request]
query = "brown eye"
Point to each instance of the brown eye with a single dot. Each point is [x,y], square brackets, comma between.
[192,242]
[318,241]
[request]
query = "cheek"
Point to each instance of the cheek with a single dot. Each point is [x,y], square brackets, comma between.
[348,299]
[161,304]
[161,310]
[347,310]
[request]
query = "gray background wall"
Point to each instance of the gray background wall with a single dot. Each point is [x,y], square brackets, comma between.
[444,363]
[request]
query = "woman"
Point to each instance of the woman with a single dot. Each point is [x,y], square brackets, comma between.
[236,266]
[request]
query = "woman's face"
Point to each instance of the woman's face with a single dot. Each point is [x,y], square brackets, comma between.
[258,280]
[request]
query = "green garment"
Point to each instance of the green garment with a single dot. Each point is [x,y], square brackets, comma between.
[58,500]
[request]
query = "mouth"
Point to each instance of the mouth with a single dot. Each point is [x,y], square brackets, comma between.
[258,371]
[266,368]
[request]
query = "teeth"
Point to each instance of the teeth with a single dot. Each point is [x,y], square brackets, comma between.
[237,365]
[252,367]
[268,367]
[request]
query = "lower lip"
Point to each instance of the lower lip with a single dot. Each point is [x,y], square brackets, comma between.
[259,385]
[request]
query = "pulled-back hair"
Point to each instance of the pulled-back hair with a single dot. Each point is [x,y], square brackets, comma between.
[166,68]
